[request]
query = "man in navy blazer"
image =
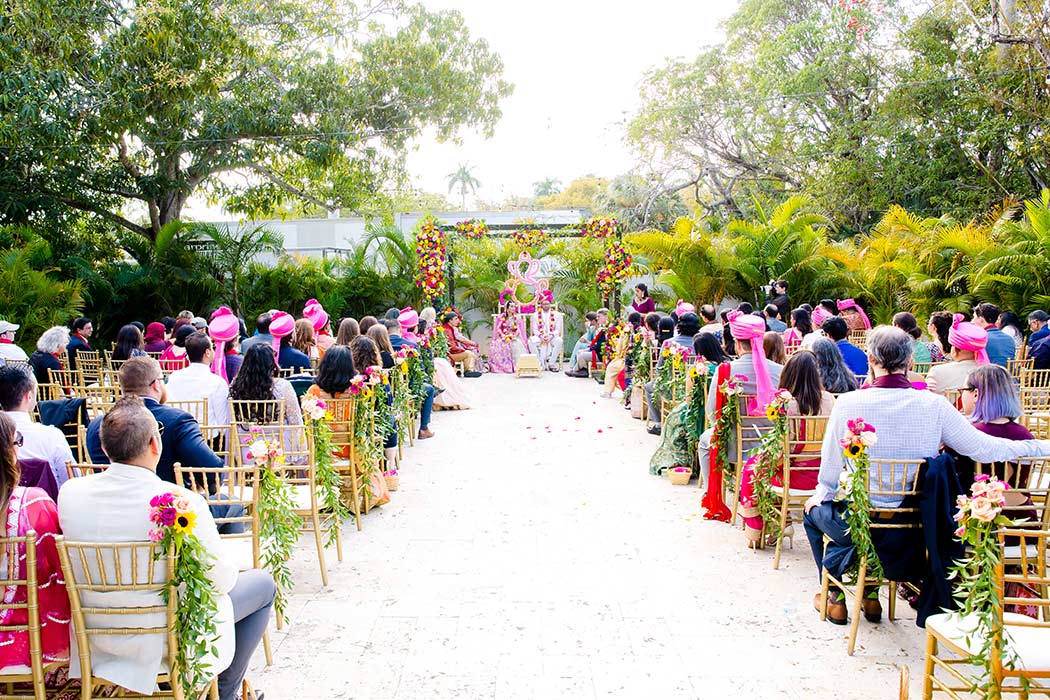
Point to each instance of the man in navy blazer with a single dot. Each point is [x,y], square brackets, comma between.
[78,340]
[181,437]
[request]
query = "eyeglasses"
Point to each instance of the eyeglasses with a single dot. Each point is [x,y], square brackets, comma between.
[19,439]
[160,428]
[969,388]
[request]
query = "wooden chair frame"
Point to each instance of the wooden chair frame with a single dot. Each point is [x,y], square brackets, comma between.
[342,427]
[1027,477]
[803,438]
[749,433]
[9,547]
[904,486]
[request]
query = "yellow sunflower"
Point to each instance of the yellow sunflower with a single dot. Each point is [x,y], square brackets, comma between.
[853,450]
[185,522]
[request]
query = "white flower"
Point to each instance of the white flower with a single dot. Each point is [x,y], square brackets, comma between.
[868,438]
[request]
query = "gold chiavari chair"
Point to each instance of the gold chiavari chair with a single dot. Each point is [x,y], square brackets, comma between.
[17,685]
[232,486]
[954,397]
[1038,424]
[1026,499]
[678,388]
[95,571]
[23,364]
[348,460]
[1016,365]
[100,398]
[892,478]
[70,380]
[1034,401]
[77,469]
[749,433]
[802,442]
[155,355]
[198,408]
[1034,378]
[89,364]
[859,339]
[1027,638]
[49,392]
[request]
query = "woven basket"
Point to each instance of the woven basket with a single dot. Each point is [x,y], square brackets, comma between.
[637,401]
[680,478]
[391,481]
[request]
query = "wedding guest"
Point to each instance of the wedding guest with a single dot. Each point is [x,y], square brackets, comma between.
[349,329]
[49,350]
[304,340]
[262,333]
[257,380]
[366,323]
[334,375]
[709,317]
[835,376]
[381,337]
[426,407]
[129,343]
[175,356]
[319,322]
[801,327]
[854,316]
[687,327]
[43,442]
[79,340]
[643,303]
[1000,346]
[457,350]
[907,323]
[664,330]
[155,340]
[909,425]
[1011,325]
[773,344]
[449,392]
[224,331]
[817,318]
[855,358]
[8,349]
[130,435]
[1037,325]
[282,326]
[939,326]
[773,323]
[968,341]
[29,509]
[196,381]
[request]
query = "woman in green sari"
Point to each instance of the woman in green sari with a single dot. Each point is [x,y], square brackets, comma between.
[684,424]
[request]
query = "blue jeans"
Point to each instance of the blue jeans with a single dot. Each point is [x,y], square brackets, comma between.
[252,598]
[426,408]
[826,519]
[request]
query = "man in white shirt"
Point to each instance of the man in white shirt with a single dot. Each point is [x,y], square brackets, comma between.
[547,333]
[198,382]
[43,442]
[8,349]
[113,506]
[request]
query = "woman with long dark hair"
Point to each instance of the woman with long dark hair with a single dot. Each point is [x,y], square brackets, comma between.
[348,330]
[801,379]
[643,303]
[801,326]
[257,380]
[939,326]
[835,376]
[30,509]
[129,343]
[381,337]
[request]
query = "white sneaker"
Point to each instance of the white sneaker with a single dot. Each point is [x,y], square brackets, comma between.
[606,395]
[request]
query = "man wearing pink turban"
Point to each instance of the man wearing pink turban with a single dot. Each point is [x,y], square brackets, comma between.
[854,315]
[224,329]
[761,377]
[318,317]
[683,307]
[282,325]
[408,319]
[969,342]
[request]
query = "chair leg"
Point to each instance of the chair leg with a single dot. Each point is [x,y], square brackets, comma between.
[213,689]
[267,648]
[355,495]
[339,540]
[858,605]
[927,677]
[319,540]
[780,539]
[737,478]
[891,599]
[825,585]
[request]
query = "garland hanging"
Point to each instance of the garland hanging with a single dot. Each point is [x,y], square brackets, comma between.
[853,488]
[279,525]
[696,408]
[318,417]
[599,228]
[769,459]
[616,269]
[670,375]
[639,356]
[438,341]
[528,236]
[431,256]
[727,420]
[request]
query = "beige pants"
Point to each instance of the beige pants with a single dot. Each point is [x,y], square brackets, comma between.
[612,371]
[466,357]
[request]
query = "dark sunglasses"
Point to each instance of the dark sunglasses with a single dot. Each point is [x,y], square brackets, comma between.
[19,439]
[969,388]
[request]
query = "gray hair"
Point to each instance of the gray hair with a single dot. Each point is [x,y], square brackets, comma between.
[199,323]
[53,340]
[890,348]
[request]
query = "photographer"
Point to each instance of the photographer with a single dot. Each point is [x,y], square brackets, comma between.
[777,294]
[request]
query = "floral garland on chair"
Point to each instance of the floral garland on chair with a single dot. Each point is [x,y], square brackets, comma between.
[976,589]
[696,403]
[472,228]
[399,384]
[670,377]
[438,341]
[431,244]
[769,458]
[279,525]
[317,417]
[853,488]
[371,408]
[728,419]
[197,607]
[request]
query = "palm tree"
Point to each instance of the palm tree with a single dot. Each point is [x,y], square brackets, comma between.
[546,187]
[229,253]
[465,180]
[389,249]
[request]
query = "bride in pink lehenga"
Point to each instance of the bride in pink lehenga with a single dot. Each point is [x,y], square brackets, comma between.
[509,340]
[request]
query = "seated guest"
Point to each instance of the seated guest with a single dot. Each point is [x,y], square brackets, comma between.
[772,322]
[909,424]
[1011,325]
[773,344]
[348,330]
[381,337]
[197,381]
[687,328]
[305,340]
[26,510]
[854,316]
[801,327]
[333,378]
[665,328]
[509,340]
[1000,346]
[44,442]
[836,329]
[130,436]
[590,328]
[155,340]
[8,349]
[817,316]
[334,375]
[1037,325]
[49,349]
[257,380]
[939,326]
[426,408]
[224,330]
[282,326]
[129,343]
[319,322]
[759,375]
[262,333]
[835,376]
[709,317]
[408,320]
[449,392]
[175,356]
[366,323]
[82,330]
[583,359]
[675,448]
[907,323]
[458,351]
[618,363]
[808,398]
[968,342]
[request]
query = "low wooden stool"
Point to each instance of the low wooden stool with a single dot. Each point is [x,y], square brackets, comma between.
[528,366]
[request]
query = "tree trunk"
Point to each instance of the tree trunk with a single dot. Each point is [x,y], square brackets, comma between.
[1006,22]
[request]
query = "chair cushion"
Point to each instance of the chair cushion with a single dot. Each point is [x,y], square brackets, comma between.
[1032,644]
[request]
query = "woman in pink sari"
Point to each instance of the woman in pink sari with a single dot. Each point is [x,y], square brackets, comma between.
[29,509]
[509,340]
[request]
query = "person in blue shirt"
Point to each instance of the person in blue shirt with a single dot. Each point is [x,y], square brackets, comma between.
[1000,346]
[773,323]
[1037,324]
[855,358]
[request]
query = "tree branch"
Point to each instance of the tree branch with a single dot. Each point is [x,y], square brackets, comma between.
[104,213]
[288,187]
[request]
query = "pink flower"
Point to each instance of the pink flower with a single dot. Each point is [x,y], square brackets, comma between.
[167,516]
[867,438]
[983,509]
[996,492]
[960,531]
[156,535]
[845,442]
[182,505]
[982,477]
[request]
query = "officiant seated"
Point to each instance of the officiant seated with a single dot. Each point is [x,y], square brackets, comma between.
[548,331]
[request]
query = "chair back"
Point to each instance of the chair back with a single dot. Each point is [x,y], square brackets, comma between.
[1035,378]
[299,459]
[1034,400]
[894,478]
[99,572]
[1016,365]
[1038,424]
[1029,482]
[859,339]
[68,379]
[803,440]
[198,408]
[12,550]
[1029,575]
[246,413]
[749,430]
[229,486]
[89,363]
[76,469]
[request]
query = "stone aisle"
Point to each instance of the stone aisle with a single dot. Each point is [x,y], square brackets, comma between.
[529,554]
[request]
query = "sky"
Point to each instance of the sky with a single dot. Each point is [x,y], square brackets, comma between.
[576,66]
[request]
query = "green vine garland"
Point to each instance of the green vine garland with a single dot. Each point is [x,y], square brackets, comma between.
[327,477]
[769,460]
[696,402]
[858,499]
[726,423]
[279,527]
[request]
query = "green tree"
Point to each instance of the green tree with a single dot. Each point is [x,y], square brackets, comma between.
[31,293]
[581,193]
[464,179]
[152,101]
[546,187]
[230,254]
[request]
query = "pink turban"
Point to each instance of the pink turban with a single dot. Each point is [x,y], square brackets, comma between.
[409,319]
[683,308]
[819,315]
[315,313]
[753,328]
[844,304]
[223,328]
[969,337]
[281,326]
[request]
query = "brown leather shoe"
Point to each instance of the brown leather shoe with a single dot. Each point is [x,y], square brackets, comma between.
[872,609]
[837,614]
[424,434]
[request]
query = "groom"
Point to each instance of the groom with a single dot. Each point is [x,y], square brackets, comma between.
[546,341]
